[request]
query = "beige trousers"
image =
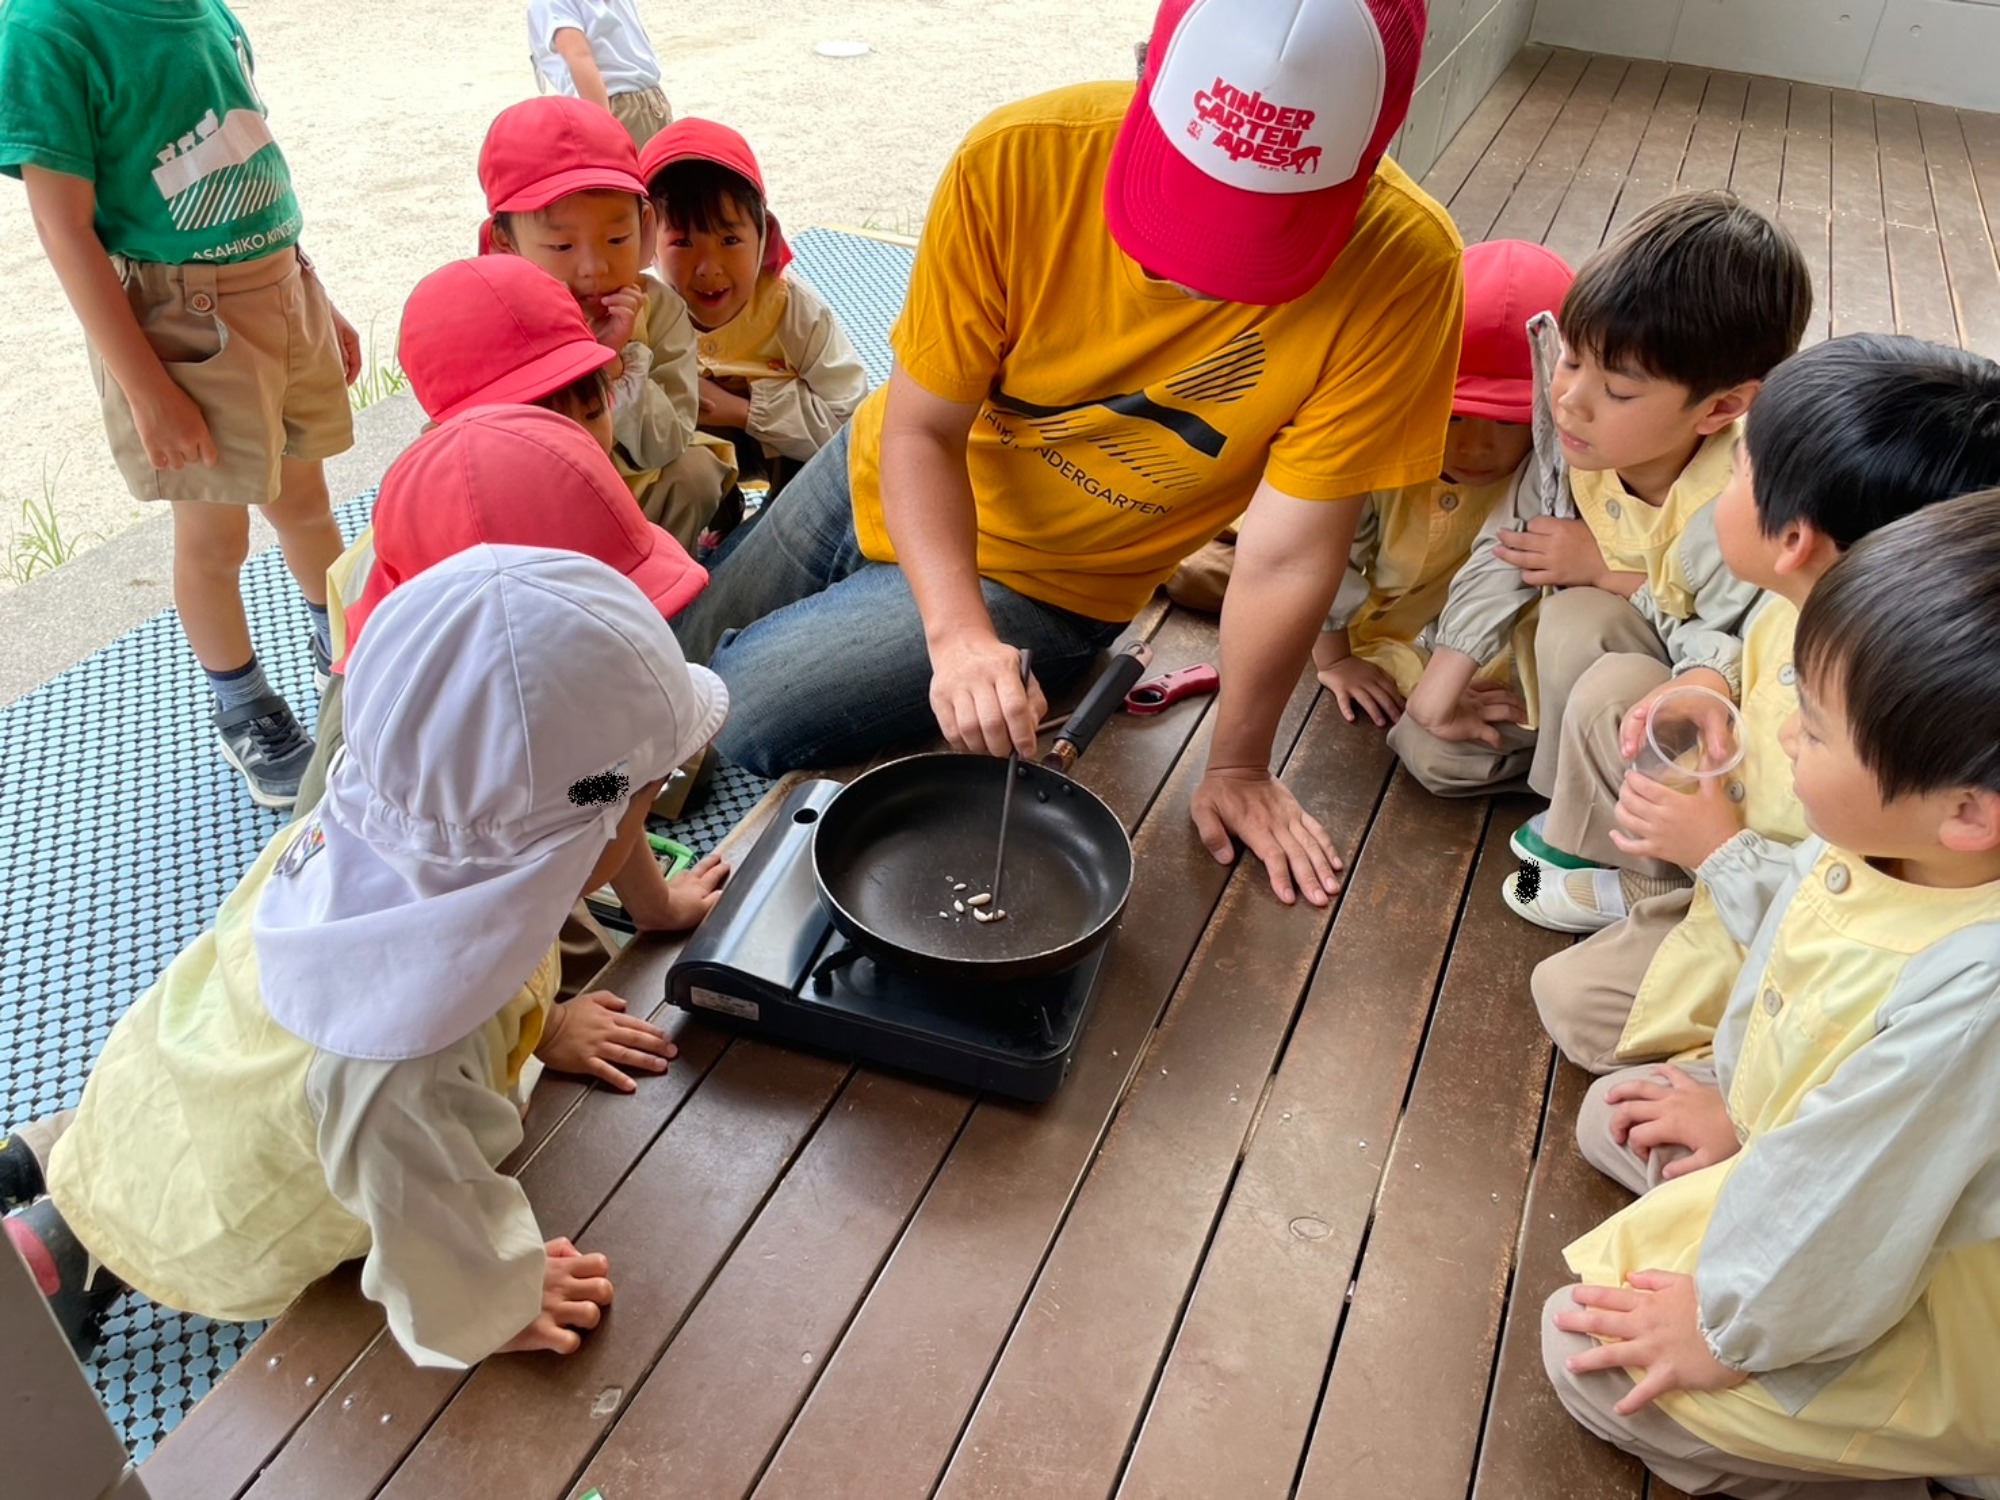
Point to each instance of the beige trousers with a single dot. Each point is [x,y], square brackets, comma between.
[1451,769]
[684,496]
[644,113]
[1577,630]
[1584,993]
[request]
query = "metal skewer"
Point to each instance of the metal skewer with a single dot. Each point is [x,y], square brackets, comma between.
[1007,804]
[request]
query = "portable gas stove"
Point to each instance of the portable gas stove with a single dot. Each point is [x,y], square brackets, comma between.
[768,961]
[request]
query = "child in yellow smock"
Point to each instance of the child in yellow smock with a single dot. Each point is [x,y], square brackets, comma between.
[1808,1290]
[1846,437]
[332,1071]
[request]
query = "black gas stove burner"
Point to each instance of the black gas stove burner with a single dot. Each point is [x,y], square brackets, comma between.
[769,962]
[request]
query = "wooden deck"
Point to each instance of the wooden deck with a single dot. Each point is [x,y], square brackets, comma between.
[1288,1227]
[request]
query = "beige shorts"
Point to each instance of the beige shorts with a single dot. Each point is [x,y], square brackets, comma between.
[644,113]
[254,344]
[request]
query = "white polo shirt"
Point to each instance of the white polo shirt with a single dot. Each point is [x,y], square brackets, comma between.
[617,40]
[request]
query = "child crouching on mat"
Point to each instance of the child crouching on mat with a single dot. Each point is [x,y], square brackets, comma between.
[1818,1298]
[331,1071]
[779,376]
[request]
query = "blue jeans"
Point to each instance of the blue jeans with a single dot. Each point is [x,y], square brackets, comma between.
[823,651]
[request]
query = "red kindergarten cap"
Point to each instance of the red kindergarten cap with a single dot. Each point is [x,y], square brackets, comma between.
[543,149]
[494,331]
[1247,151]
[1507,282]
[707,140]
[516,476]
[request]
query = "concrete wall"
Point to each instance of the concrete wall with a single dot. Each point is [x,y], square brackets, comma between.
[1468,45]
[1944,51]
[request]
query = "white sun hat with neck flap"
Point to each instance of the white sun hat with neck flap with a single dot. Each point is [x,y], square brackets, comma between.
[500,711]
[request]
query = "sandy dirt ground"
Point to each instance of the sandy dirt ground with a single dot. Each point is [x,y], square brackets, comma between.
[380,109]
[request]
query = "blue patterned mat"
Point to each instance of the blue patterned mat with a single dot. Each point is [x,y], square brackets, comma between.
[121,830]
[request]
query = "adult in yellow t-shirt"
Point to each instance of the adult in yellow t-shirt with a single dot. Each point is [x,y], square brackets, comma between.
[1133,317]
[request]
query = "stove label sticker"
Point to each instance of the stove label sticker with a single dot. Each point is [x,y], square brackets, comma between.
[729,1005]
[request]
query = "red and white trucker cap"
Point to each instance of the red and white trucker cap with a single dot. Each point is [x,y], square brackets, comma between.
[1250,145]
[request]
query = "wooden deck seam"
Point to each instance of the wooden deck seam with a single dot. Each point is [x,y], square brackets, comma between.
[1189,1292]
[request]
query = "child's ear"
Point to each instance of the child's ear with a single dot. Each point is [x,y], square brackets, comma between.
[649,231]
[1804,550]
[503,242]
[1724,407]
[1973,826]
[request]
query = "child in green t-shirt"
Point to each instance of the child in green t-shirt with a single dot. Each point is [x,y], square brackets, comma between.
[167,211]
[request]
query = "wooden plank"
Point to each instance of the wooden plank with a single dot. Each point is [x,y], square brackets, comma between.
[1580,223]
[882,1423]
[1711,150]
[1455,163]
[1860,296]
[706,1174]
[1970,262]
[1916,259]
[1805,194]
[1982,148]
[217,1449]
[1407,1394]
[1057,1417]
[1532,1446]
[1541,190]
[1760,145]
[1656,165]
[1236,1400]
[1478,203]
[707,1417]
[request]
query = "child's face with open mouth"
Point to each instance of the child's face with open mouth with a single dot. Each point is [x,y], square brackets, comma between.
[714,270]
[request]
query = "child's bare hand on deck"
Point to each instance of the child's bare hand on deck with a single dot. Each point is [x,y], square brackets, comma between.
[593,1035]
[1672,1109]
[1358,685]
[576,1288]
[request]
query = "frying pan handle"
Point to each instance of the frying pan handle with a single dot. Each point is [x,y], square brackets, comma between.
[1098,705]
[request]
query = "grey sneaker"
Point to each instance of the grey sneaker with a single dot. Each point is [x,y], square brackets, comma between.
[263,741]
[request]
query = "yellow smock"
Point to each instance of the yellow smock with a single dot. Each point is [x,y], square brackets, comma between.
[220,1165]
[1848,1256]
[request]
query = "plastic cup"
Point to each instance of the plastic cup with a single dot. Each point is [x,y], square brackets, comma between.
[1693,736]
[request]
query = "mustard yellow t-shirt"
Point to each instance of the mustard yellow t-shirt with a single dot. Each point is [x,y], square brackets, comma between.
[1123,422]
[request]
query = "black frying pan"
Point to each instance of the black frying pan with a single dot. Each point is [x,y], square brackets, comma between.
[893,847]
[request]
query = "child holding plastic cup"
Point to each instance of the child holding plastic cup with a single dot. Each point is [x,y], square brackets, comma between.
[1845,438]
[1692,735]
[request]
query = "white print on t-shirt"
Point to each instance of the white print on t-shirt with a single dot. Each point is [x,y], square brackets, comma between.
[208,176]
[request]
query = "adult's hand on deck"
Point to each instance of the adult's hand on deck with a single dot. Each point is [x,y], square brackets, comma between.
[979,699]
[576,1288]
[1259,809]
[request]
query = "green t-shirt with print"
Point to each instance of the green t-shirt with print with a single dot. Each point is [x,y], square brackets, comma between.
[153,102]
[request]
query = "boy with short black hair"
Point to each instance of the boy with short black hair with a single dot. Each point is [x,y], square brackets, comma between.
[1845,438]
[167,212]
[563,190]
[1659,349]
[1806,1292]
[779,376]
